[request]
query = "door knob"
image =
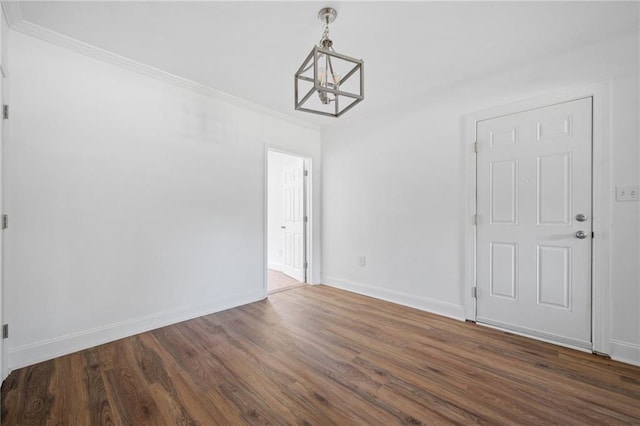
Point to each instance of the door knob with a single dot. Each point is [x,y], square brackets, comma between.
[580,217]
[581,235]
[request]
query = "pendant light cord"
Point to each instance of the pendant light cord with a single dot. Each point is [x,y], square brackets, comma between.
[325,32]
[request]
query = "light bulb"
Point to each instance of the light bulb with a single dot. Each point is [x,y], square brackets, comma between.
[336,79]
[322,77]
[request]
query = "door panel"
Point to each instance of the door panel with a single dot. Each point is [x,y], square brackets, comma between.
[293,226]
[554,266]
[533,178]
[504,192]
[554,191]
[503,275]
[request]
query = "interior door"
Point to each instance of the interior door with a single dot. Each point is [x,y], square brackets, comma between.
[534,222]
[293,223]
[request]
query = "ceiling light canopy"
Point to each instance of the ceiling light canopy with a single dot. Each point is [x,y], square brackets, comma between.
[336,79]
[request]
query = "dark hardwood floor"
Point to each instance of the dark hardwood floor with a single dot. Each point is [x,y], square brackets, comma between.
[321,356]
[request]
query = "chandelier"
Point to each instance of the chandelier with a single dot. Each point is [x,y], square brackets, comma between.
[331,83]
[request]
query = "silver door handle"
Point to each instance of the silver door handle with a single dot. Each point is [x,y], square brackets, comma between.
[580,217]
[283,227]
[581,235]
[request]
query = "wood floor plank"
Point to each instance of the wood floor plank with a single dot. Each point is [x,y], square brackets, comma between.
[70,374]
[160,384]
[316,355]
[203,410]
[185,355]
[129,391]
[12,394]
[256,389]
[99,407]
[36,404]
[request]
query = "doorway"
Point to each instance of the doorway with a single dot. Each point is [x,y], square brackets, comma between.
[534,222]
[286,221]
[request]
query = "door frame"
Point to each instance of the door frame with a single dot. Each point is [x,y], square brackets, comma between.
[601,199]
[4,131]
[307,211]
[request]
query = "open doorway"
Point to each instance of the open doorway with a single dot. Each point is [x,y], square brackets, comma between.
[286,221]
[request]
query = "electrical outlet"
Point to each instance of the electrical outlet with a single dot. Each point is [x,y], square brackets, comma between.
[362,260]
[627,193]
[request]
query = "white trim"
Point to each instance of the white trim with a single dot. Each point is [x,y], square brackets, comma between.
[601,211]
[9,13]
[12,13]
[625,352]
[16,23]
[468,147]
[308,190]
[600,92]
[265,221]
[445,309]
[540,335]
[275,266]
[51,348]
[542,338]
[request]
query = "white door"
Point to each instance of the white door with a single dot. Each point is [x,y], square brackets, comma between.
[293,223]
[534,222]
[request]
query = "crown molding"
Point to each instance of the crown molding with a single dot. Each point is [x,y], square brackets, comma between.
[16,22]
[12,12]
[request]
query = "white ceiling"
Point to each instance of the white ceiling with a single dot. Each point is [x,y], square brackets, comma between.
[252,49]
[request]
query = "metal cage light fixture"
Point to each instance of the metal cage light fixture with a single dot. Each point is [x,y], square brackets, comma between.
[336,79]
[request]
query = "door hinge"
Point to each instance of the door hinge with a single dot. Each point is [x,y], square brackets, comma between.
[305,265]
[5,111]
[593,235]
[475,147]
[306,173]
[5,221]
[475,219]
[474,292]
[306,219]
[5,331]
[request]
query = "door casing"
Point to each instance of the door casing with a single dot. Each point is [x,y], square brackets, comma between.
[601,199]
[307,235]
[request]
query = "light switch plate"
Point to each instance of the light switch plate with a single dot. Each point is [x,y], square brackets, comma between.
[627,193]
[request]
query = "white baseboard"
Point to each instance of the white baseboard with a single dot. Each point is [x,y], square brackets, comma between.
[424,304]
[51,348]
[625,352]
[275,266]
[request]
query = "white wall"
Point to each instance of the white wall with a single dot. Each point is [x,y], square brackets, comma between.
[392,192]
[625,253]
[277,163]
[393,187]
[133,202]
